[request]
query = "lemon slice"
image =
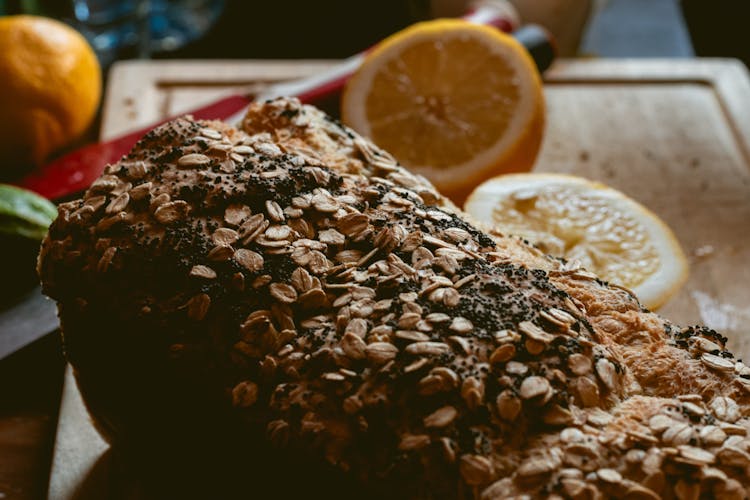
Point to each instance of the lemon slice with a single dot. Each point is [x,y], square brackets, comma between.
[610,234]
[454,101]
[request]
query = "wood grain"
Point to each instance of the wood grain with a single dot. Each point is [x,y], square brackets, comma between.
[24,438]
[144,92]
[30,383]
[673,134]
[676,137]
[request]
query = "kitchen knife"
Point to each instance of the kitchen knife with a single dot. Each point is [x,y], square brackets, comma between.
[75,171]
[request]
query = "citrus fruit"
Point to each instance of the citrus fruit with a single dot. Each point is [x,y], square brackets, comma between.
[610,234]
[454,101]
[50,85]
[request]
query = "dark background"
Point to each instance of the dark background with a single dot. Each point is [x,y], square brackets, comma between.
[339,28]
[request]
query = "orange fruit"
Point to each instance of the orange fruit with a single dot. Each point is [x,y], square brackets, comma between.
[50,85]
[454,101]
[609,233]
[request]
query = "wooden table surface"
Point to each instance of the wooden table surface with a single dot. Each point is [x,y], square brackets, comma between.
[674,134]
[30,388]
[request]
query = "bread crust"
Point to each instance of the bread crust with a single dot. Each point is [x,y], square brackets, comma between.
[336,302]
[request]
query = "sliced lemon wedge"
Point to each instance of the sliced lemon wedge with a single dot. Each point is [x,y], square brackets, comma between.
[610,234]
[454,101]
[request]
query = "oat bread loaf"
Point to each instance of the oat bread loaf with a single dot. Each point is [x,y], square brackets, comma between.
[289,279]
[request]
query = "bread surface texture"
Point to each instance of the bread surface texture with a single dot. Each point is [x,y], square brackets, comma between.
[337,303]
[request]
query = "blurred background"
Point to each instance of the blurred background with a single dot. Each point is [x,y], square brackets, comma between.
[121,29]
[295,29]
[301,29]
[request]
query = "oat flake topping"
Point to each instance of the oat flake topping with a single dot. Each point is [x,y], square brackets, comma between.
[341,304]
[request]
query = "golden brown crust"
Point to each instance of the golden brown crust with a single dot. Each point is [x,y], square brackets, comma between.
[345,307]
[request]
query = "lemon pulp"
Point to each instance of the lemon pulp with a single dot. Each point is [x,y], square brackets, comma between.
[608,233]
[577,226]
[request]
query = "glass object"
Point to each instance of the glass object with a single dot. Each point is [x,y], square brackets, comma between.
[139,28]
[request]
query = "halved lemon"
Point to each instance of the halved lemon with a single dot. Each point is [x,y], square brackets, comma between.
[611,235]
[454,101]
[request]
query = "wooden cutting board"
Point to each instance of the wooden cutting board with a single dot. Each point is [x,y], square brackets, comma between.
[673,134]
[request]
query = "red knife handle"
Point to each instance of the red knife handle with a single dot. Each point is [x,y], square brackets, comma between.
[75,171]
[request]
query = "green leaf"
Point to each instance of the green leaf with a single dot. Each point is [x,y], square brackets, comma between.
[23,213]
